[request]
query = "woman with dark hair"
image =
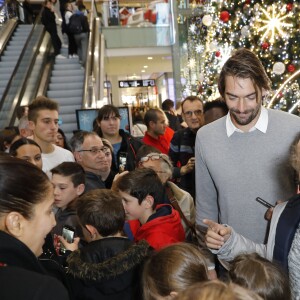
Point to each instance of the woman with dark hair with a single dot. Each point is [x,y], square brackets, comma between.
[61,140]
[28,150]
[26,217]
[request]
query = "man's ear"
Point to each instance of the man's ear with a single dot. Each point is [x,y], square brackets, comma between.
[148,201]
[31,125]
[13,223]
[77,156]
[80,189]
[91,229]
[151,124]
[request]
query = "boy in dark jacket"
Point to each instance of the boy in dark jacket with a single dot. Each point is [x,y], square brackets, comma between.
[109,266]
[68,180]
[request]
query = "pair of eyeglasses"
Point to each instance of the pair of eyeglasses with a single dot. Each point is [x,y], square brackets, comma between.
[190,113]
[156,157]
[96,150]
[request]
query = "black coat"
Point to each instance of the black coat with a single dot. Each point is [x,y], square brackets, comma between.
[22,276]
[48,20]
[109,269]
[129,146]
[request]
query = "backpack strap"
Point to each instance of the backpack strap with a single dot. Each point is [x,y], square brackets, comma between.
[287,225]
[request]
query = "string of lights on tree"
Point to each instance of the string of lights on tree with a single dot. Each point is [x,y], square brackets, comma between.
[271,29]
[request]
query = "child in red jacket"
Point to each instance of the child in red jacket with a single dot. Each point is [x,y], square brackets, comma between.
[159,224]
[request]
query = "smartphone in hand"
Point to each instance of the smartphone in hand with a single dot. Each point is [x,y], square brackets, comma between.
[68,233]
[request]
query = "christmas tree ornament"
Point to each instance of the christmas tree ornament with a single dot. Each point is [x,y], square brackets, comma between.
[245,31]
[224,16]
[278,68]
[265,45]
[207,20]
[289,6]
[291,68]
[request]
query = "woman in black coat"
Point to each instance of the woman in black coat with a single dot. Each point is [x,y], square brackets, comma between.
[26,217]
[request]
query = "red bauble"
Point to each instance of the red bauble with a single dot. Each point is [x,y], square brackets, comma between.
[224,16]
[265,45]
[218,53]
[248,1]
[291,68]
[289,6]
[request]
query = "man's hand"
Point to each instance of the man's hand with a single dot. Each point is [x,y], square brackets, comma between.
[189,167]
[216,235]
[118,175]
[269,212]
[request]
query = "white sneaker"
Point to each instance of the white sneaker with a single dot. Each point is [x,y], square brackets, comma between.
[60,56]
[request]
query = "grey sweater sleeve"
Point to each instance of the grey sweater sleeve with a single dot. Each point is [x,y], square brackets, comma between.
[238,244]
[206,194]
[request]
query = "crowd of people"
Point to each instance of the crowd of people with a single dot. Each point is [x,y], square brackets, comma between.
[109,215]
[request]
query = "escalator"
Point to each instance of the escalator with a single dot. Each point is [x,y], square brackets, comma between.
[66,87]
[11,54]
[18,59]
[33,72]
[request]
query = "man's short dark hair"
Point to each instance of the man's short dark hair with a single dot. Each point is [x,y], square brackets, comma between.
[102,209]
[244,64]
[140,183]
[71,169]
[151,115]
[167,105]
[40,103]
[215,103]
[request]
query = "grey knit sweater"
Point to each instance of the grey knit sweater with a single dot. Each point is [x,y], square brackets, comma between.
[232,171]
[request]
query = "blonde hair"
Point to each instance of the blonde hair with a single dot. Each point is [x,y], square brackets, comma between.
[212,290]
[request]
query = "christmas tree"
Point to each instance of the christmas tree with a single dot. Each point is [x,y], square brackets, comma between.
[215,28]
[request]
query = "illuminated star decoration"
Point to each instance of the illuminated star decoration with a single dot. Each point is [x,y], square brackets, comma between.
[192,63]
[274,24]
[225,53]
[199,48]
[192,28]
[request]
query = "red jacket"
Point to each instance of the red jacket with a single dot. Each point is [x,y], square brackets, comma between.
[162,143]
[163,228]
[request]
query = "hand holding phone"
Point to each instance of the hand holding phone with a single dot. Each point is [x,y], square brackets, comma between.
[68,234]
[122,161]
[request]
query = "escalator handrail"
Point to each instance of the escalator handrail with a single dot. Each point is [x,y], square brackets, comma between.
[7,33]
[90,58]
[19,61]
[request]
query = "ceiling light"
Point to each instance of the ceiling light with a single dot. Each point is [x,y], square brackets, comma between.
[143,71]
[145,67]
[150,57]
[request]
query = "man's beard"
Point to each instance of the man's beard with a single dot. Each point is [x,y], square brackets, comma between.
[253,113]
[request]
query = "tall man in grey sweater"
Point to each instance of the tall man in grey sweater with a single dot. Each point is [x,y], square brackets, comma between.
[244,154]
